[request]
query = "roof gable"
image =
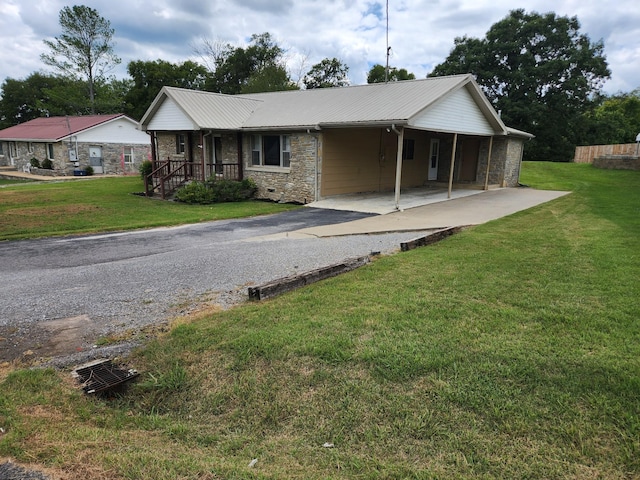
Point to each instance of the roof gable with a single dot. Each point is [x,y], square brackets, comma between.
[55,128]
[456,112]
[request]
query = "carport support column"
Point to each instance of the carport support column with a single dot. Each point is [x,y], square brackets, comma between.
[399,165]
[486,178]
[453,160]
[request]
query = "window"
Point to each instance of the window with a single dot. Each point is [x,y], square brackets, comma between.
[1,149]
[180,143]
[127,153]
[271,150]
[30,147]
[13,151]
[408,147]
[50,151]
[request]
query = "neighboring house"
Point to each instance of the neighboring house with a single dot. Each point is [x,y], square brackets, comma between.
[109,143]
[301,146]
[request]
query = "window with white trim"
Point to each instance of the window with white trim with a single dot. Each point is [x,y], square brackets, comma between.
[127,153]
[13,150]
[271,150]
[50,151]
[1,149]
[30,147]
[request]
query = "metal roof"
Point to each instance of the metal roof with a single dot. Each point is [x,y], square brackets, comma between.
[361,105]
[206,110]
[55,128]
[357,105]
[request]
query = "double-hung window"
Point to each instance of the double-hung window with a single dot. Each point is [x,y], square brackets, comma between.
[127,154]
[271,150]
[180,143]
[50,152]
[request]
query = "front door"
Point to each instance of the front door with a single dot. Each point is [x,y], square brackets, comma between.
[469,160]
[95,159]
[434,154]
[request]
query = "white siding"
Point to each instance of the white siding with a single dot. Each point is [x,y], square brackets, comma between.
[456,112]
[120,130]
[169,117]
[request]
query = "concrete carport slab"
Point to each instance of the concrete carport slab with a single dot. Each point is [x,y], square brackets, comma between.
[475,209]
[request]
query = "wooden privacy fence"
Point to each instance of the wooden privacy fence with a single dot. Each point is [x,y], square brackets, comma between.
[588,153]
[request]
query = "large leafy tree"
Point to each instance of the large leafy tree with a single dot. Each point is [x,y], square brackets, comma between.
[259,67]
[614,119]
[150,76]
[42,95]
[378,74]
[330,72]
[84,50]
[540,72]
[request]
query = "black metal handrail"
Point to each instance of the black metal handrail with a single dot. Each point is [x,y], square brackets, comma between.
[169,175]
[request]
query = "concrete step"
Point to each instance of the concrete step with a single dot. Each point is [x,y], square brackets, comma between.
[8,168]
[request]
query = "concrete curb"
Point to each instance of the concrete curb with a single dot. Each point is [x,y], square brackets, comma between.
[431,238]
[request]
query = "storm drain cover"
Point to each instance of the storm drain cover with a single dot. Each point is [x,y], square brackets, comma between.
[102,376]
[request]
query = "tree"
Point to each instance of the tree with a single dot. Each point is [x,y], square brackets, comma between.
[377,74]
[614,119]
[150,76]
[24,100]
[539,72]
[257,68]
[327,73]
[84,49]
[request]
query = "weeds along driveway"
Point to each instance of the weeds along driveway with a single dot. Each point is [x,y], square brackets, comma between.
[61,295]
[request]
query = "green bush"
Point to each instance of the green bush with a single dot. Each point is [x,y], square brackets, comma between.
[48,164]
[145,168]
[35,163]
[216,191]
[88,170]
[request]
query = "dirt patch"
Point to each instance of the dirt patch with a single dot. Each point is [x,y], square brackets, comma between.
[46,339]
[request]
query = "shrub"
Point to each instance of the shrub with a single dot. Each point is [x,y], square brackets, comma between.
[88,170]
[216,191]
[35,163]
[48,164]
[145,168]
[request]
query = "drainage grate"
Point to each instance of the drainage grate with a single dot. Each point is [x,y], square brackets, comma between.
[102,376]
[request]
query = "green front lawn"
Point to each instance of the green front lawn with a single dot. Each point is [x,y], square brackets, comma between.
[103,205]
[507,351]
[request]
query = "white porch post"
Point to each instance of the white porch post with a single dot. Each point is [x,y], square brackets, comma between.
[399,166]
[453,159]
[486,178]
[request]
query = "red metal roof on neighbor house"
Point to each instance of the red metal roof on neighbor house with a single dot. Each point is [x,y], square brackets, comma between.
[54,128]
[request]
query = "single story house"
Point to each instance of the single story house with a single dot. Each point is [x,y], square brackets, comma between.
[108,143]
[306,145]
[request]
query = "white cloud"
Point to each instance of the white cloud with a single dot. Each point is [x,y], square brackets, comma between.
[421,32]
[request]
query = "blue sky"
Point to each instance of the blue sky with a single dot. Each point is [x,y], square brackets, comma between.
[421,32]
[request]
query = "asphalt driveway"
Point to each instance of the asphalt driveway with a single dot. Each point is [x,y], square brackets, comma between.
[61,295]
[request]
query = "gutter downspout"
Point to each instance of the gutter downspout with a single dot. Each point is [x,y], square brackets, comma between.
[453,160]
[400,134]
[486,178]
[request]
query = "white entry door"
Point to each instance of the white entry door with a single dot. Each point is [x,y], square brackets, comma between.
[434,154]
[95,159]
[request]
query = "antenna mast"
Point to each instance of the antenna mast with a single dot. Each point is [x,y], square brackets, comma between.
[386,70]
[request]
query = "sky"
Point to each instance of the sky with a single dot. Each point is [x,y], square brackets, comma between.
[421,32]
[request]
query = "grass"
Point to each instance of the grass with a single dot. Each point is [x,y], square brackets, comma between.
[102,205]
[508,351]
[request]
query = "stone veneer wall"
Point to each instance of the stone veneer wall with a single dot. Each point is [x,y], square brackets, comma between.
[617,162]
[294,184]
[506,158]
[111,154]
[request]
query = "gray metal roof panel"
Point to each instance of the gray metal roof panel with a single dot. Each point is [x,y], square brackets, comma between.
[382,102]
[212,110]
